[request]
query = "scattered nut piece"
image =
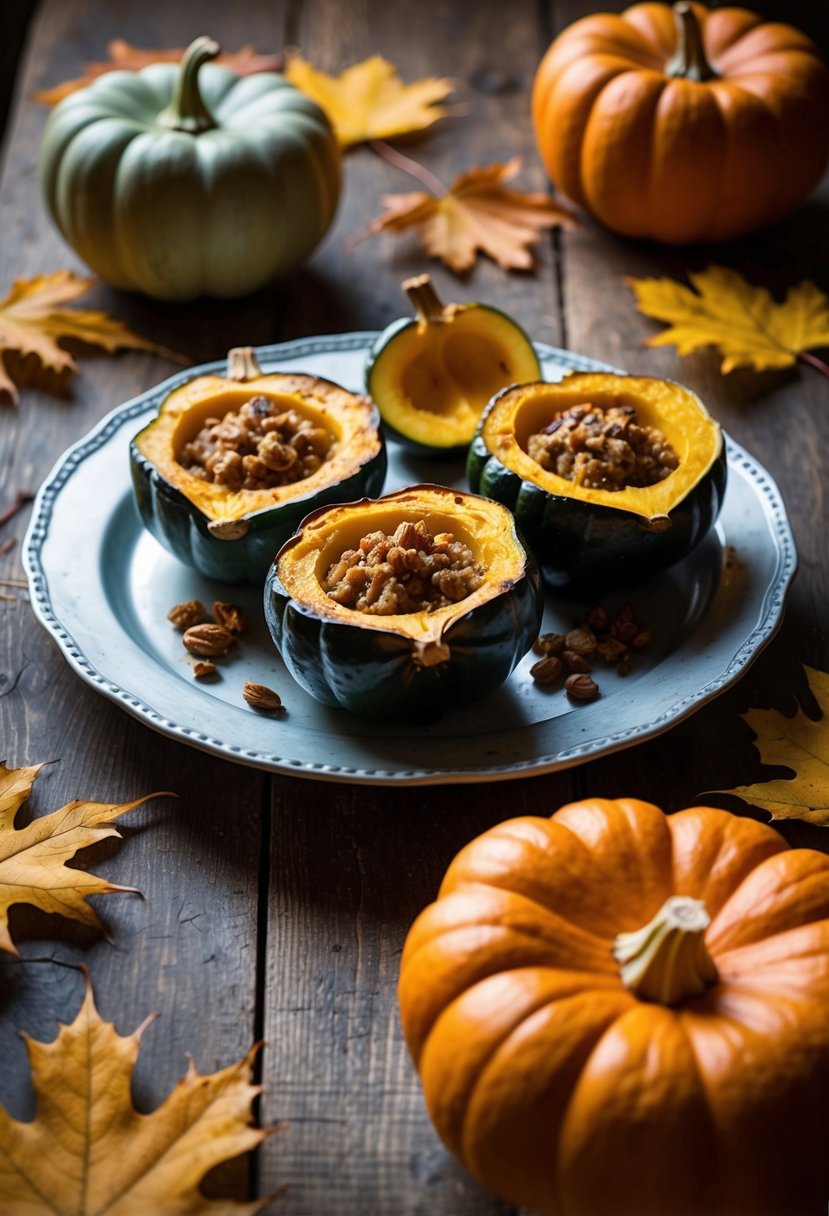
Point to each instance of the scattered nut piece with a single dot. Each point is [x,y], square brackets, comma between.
[581,641]
[547,670]
[549,643]
[230,617]
[581,688]
[204,669]
[258,696]
[643,638]
[191,612]
[208,640]
[597,619]
[612,650]
[626,631]
[575,662]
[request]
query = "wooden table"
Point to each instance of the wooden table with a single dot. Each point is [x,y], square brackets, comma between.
[272,907]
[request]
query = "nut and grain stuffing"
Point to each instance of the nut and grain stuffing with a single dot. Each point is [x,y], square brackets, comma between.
[410,571]
[261,446]
[603,449]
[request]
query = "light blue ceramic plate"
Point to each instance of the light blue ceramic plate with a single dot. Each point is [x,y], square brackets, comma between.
[102,587]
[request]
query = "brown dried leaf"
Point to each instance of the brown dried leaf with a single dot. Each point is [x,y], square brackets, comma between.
[33,323]
[32,869]
[89,1151]
[122,55]
[478,212]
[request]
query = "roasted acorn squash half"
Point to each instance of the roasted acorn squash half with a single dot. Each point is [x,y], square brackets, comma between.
[233,534]
[601,538]
[407,666]
[432,374]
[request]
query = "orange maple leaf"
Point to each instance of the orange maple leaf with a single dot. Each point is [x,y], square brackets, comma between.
[32,858]
[245,62]
[476,213]
[33,323]
[89,1151]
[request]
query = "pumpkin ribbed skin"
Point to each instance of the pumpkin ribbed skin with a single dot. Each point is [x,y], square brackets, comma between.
[675,159]
[559,1088]
[175,214]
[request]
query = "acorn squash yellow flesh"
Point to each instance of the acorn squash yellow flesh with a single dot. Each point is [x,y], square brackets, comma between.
[350,419]
[434,379]
[678,413]
[484,526]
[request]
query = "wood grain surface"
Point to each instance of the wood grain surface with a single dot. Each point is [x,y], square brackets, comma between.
[274,907]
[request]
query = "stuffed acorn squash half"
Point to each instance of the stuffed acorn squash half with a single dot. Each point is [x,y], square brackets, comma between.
[611,478]
[231,465]
[397,608]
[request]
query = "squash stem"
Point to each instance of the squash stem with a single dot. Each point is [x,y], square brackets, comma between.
[187,111]
[242,365]
[667,959]
[427,304]
[689,60]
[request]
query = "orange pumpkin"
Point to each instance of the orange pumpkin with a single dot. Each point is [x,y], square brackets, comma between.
[683,125]
[587,1047]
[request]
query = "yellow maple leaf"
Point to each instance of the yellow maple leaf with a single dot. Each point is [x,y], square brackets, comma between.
[477,213]
[800,744]
[32,869]
[125,57]
[33,321]
[88,1151]
[369,100]
[745,323]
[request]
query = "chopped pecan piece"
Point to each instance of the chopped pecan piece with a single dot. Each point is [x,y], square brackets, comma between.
[208,640]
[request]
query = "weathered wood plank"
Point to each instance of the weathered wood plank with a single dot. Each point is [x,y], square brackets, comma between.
[350,868]
[187,949]
[779,417]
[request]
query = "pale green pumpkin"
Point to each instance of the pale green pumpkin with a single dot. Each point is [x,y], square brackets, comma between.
[189,180]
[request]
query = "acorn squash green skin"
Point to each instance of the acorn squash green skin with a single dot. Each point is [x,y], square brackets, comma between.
[216,201]
[182,528]
[374,674]
[582,546]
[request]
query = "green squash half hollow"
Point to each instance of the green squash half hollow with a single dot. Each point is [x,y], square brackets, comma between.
[233,536]
[408,666]
[432,374]
[596,538]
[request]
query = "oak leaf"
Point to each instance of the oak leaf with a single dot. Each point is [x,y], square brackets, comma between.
[369,100]
[801,744]
[478,212]
[749,328]
[32,869]
[123,56]
[89,1151]
[33,322]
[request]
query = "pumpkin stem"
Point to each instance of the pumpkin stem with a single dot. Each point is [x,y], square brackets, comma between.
[667,960]
[242,365]
[689,61]
[427,304]
[186,111]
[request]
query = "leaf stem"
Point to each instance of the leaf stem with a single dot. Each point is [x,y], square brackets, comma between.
[21,499]
[818,364]
[385,151]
